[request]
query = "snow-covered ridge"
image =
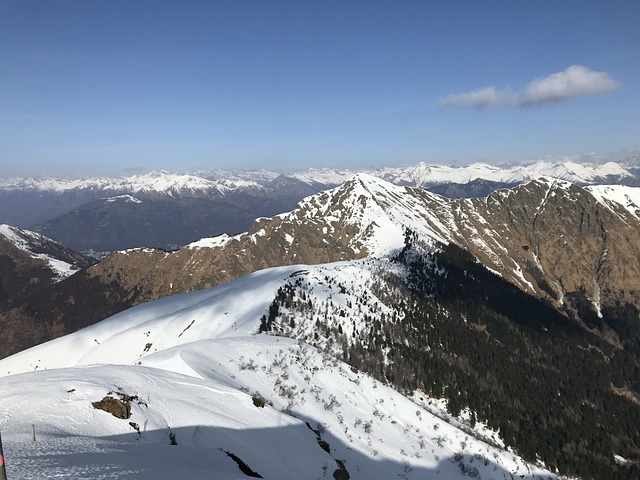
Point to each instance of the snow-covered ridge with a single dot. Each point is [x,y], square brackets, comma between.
[29,241]
[377,213]
[198,372]
[582,173]
[123,198]
[627,197]
[159,182]
[422,174]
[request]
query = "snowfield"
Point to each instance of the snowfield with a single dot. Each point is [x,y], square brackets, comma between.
[196,374]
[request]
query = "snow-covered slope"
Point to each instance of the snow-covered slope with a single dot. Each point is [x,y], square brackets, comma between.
[165,323]
[194,372]
[628,197]
[62,261]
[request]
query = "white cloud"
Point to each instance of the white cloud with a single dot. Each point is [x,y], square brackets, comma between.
[572,82]
[483,98]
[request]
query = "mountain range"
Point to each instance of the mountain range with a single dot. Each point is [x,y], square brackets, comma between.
[168,210]
[518,311]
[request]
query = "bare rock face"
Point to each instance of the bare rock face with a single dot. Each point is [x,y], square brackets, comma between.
[554,240]
[117,408]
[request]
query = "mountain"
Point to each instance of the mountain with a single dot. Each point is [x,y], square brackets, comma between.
[168,210]
[30,262]
[334,225]
[551,239]
[517,312]
[182,387]
[159,209]
[475,188]
[508,369]
[168,215]
[126,221]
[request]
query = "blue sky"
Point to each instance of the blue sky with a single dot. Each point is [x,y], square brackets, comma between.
[116,87]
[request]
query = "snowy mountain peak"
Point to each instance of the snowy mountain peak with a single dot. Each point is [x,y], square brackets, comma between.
[421,174]
[371,214]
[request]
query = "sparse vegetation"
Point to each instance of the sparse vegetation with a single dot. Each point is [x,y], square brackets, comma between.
[459,332]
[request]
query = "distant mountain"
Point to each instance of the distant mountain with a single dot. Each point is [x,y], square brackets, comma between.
[28,201]
[153,220]
[473,189]
[424,175]
[30,262]
[92,214]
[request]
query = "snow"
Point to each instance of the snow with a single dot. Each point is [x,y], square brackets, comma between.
[211,242]
[25,240]
[164,323]
[164,182]
[627,197]
[197,366]
[620,460]
[199,379]
[325,176]
[422,174]
[123,198]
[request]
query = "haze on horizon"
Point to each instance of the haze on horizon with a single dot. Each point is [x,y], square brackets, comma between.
[114,88]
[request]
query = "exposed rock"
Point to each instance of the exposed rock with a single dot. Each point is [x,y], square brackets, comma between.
[116,407]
